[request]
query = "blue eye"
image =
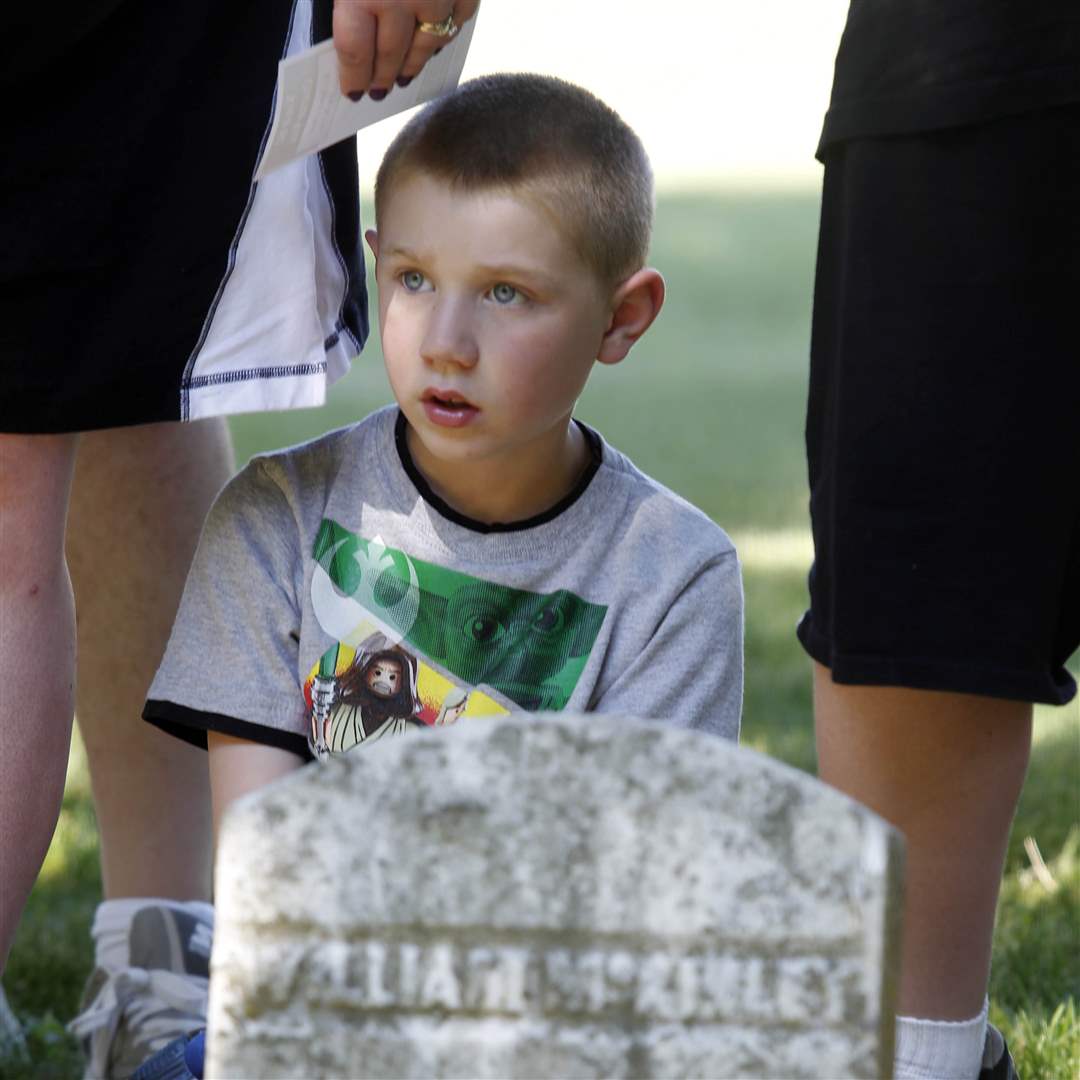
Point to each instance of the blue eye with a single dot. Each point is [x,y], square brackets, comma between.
[413,280]
[504,294]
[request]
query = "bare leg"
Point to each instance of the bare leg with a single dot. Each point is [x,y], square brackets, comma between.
[947,770]
[139,500]
[37,659]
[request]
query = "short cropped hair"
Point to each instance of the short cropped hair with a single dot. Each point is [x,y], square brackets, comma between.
[547,139]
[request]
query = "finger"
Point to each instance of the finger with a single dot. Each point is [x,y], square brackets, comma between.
[464,10]
[420,52]
[396,27]
[461,12]
[355,30]
[425,45]
[429,10]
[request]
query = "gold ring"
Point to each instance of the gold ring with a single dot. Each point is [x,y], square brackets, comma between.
[443,28]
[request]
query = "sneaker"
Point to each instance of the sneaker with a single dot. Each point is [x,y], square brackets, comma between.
[129,1013]
[1005,1069]
[182,1059]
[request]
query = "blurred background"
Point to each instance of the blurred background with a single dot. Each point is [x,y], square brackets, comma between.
[728,98]
[719,91]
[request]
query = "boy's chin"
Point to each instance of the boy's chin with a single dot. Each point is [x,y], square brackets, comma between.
[450,452]
[441,445]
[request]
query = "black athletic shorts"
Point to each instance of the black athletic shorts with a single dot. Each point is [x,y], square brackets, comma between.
[143,277]
[943,427]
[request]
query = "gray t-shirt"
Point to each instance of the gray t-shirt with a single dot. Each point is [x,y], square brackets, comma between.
[335,599]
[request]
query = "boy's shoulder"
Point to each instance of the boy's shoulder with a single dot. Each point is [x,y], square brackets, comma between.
[649,509]
[287,491]
[315,465]
[324,451]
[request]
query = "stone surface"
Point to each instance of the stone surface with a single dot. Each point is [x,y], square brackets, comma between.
[565,897]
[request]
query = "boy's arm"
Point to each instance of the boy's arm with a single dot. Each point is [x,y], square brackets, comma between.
[690,671]
[231,664]
[239,766]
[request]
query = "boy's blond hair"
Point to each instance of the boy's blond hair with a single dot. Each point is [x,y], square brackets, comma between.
[548,140]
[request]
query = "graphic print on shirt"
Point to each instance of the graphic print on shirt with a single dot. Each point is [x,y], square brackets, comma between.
[375,695]
[421,644]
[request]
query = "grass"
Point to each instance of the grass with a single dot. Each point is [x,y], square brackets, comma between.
[710,402]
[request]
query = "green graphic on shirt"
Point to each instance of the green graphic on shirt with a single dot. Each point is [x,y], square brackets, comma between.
[531,647]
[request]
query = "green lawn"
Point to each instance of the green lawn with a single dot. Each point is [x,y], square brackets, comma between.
[711,403]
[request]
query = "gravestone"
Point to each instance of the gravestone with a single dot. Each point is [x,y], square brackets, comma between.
[566,897]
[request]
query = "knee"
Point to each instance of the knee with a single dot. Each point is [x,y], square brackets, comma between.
[924,759]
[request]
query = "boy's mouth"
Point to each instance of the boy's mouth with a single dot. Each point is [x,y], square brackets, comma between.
[447,408]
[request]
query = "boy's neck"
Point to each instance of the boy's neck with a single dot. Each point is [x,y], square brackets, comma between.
[505,490]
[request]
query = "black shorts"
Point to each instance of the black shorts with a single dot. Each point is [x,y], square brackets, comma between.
[943,427]
[143,277]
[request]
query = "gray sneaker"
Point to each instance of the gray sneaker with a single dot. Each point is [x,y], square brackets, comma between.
[130,1013]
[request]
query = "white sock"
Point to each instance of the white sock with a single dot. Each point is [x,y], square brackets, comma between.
[112,921]
[940,1049]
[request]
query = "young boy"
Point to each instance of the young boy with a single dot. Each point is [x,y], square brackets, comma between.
[474,551]
[475,540]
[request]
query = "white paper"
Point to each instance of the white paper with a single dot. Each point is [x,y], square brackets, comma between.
[312,113]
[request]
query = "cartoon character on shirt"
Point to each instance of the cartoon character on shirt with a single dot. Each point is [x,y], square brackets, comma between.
[375,695]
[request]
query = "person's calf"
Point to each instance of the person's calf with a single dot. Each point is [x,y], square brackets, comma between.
[946,769]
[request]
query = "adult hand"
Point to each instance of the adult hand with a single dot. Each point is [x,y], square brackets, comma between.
[379,42]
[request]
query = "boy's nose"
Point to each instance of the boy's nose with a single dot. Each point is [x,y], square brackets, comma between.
[450,341]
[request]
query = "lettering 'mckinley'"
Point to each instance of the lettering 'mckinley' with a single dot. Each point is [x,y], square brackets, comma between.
[702,986]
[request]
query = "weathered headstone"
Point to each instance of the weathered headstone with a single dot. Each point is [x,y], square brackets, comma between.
[566,897]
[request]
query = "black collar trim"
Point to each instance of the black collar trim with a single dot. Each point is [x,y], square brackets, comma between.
[596,455]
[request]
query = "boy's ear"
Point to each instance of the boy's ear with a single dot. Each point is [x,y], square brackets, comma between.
[637,301]
[372,238]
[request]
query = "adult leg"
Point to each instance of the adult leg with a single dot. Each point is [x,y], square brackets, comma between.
[947,770]
[941,316]
[37,659]
[140,497]
[138,504]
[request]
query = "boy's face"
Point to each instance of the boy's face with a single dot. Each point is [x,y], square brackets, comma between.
[490,323]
